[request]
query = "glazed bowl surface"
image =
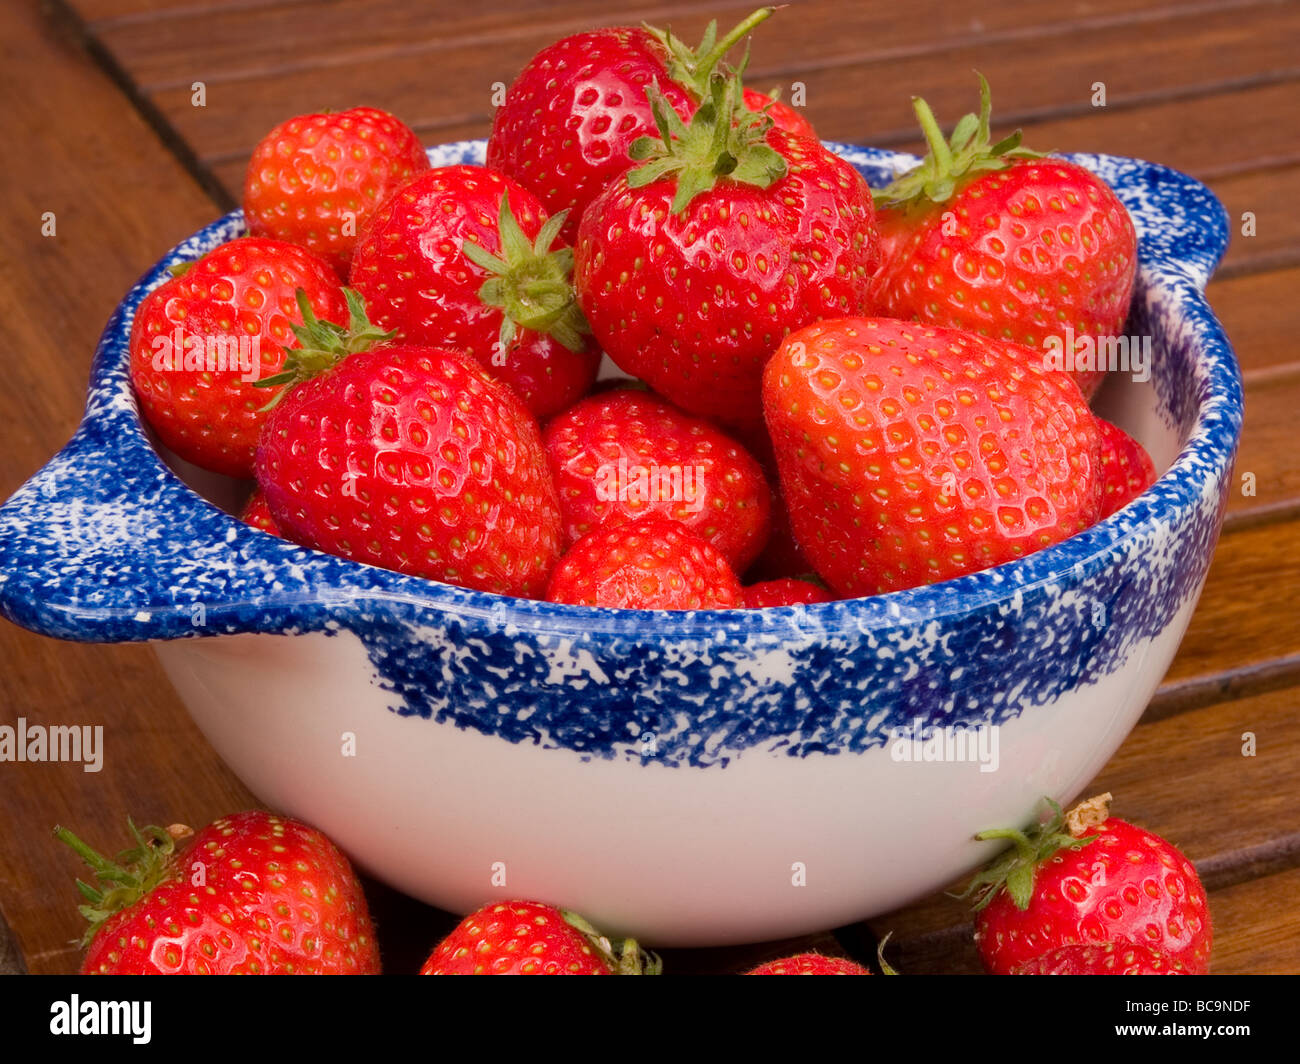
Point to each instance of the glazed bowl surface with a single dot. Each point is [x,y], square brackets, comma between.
[690,778]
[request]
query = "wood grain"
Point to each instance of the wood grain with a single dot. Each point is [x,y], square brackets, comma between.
[1202,86]
[1186,779]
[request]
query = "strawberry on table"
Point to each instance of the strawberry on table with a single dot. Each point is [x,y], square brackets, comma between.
[315,179]
[463,257]
[410,458]
[693,267]
[626,454]
[1103,958]
[810,964]
[201,340]
[571,115]
[911,454]
[648,564]
[1126,468]
[531,938]
[1087,878]
[786,591]
[252,893]
[1004,242]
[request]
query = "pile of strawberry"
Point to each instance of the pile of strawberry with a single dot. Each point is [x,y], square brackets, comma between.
[256,893]
[829,392]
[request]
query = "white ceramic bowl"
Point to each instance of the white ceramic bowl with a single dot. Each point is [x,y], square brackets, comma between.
[690,778]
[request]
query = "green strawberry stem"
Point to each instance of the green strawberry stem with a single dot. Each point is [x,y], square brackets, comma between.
[885,967]
[129,877]
[1016,869]
[724,140]
[625,958]
[967,152]
[693,68]
[322,344]
[531,284]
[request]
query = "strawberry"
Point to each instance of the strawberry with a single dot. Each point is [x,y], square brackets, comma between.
[1103,958]
[575,109]
[201,339]
[782,114]
[410,458]
[1103,881]
[1004,242]
[315,179]
[257,513]
[693,267]
[649,564]
[252,893]
[810,964]
[1126,468]
[530,938]
[462,257]
[625,454]
[911,454]
[787,591]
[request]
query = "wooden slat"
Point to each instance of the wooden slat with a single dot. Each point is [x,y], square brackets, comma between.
[1268,435]
[1266,193]
[1257,926]
[1248,613]
[1258,312]
[1184,778]
[1177,53]
[1247,119]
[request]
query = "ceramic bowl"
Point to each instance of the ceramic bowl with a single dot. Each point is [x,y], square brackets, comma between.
[692,778]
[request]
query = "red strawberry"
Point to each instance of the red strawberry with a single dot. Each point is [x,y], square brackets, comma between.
[810,964]
[315,179]
[574,111]
[253,894]
[626,454]
[1005,242]
[650,564]
[1104,881]
[464,258]
[200,340]
[1103,958]
[690,279]
[911,454]
[1126,468]
[258,514]
[411,458]
[787,591]
[782,114]
[529,938]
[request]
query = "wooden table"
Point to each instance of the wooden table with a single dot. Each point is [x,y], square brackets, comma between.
[100,127]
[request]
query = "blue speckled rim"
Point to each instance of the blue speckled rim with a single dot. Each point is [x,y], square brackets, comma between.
[63,575]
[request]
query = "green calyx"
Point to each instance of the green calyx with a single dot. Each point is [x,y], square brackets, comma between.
[322,344]
[693,68]
[625,958]
[531,284]
[1016,868]
[124,880]
[968,151]
[724,140]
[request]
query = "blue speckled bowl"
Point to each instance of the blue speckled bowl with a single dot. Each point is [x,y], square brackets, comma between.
[693,778]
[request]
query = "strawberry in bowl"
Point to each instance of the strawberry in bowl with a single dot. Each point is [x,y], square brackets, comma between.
[440,728]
